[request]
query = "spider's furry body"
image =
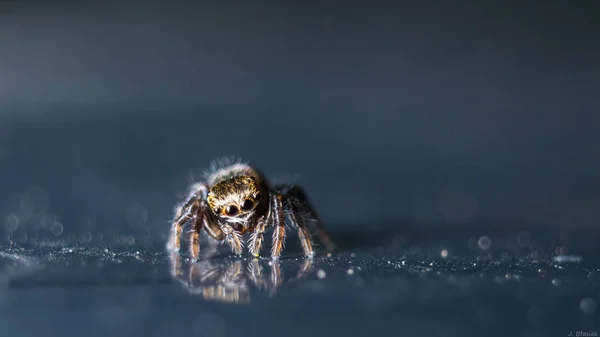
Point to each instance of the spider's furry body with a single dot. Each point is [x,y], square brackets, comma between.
[236,199]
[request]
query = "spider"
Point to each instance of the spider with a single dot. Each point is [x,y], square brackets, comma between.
[235,200]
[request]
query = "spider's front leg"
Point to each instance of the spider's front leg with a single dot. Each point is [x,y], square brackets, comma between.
[202,219]
[195,235]
[182,215]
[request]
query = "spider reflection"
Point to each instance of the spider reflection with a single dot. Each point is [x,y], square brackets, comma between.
[231,281]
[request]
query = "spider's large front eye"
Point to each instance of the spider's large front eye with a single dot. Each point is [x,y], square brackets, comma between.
[247,205]
[231,210]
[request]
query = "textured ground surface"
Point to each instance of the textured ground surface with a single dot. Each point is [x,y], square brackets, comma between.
[389,290]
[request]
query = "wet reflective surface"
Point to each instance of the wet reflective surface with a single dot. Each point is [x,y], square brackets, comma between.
[394,289]
[230,281]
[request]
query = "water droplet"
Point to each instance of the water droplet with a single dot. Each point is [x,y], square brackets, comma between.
[484,242]
[85,237]
[534,315]
[588,305]
[567,258]
[128,240]
[350,271]
[524,239]
[321,274]
[56,228]
[444,253]
[556,282]
[11,223]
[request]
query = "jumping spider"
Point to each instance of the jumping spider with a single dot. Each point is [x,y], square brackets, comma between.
[235,200]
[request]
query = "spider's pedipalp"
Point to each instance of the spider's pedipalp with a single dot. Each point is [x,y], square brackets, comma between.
[211,225]
[256,238]
[233,238]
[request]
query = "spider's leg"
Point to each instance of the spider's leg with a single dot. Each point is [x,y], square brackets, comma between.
[306,267]
[256,238]
[195,235]
[279,223]
[203,272]
[233,287]
[303,271]
[233,238]
[184,213]
[175,263]
[234,272]
[295,213]
[203,276]
[255,274]
[212,229]
[276,277]
[303,213]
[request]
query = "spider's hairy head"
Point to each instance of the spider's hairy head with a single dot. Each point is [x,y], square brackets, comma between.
[234,198]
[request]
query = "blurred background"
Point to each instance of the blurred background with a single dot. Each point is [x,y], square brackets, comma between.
[425,115]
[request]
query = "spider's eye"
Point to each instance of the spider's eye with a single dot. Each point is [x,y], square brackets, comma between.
[257,196]
[247,205]
[231,210]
